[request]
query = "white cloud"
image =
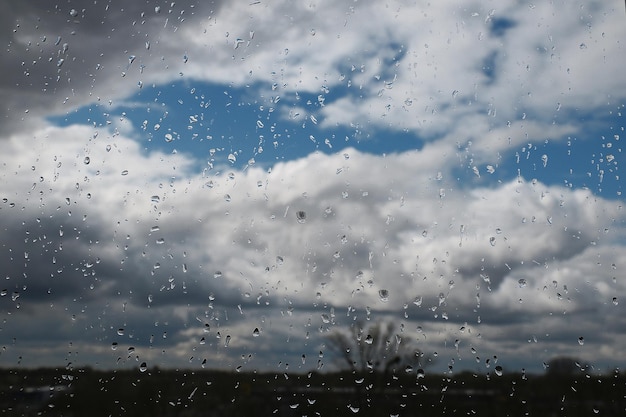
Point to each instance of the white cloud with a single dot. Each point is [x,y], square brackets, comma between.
[372,224]
[124,236]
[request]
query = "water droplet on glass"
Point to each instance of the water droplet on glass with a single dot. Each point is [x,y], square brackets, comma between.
[383,295]
[143,367]
[369,339]
[259,124]
[120,331]
[87,160]
[442,298]
[217,274]
[255,332]
[418,301]
[521,282]
[73,12]
[125,172]
[581,340]
[499,370]
[615,301]
[232,158]
[113,345]
[420,373]
[280,260]
[301,216]
[492,241]
[227,341]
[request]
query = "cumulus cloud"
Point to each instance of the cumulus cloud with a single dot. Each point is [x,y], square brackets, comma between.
[141,242]
[133,254]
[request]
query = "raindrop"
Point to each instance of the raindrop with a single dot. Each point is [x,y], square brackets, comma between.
[227,341]
[383,295]
[120,331]
[232,158]
[544,160]
[418,301]
[420,373]
[615,301]
[217,274]
[522,282]
[353,409]
[125,172]
[499,370]
[492,241]
[280,260]
[369,339]
[256,332]
[301,216]
[113,345]
[325,318]
[87,160]
[143,367]
[259,124]
[442,298]
[581,340]
[73,12]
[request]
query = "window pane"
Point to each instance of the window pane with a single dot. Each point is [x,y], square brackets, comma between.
[384,200]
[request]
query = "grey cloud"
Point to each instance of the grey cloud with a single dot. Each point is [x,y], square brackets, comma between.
[60,57]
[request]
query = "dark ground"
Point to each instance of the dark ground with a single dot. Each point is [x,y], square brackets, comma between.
[161,393]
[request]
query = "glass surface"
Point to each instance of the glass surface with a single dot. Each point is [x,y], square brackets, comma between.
[378,199]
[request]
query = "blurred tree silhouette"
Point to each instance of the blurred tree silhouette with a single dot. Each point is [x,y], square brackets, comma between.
[566,366]
[376,347]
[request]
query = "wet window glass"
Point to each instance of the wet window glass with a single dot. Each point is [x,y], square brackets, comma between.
[312,208]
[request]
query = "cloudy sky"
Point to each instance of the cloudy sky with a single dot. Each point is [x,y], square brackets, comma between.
[225,184]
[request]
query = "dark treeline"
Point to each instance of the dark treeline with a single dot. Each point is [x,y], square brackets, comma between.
[162,393]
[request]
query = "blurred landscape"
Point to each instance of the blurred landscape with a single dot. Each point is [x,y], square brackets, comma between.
[561,391]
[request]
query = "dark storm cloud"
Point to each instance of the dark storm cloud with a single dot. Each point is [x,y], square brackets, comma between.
[59,56]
